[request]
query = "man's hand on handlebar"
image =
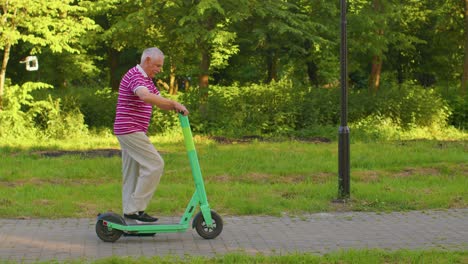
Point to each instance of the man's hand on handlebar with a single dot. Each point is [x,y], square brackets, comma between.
[180,108]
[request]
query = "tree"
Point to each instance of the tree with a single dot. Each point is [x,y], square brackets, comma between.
[206,26]
[413,18]
[187,31]
[321,56]
[120,28]
[57,24]
[278,35]
[464,82]
[439,59]
[379,25]
[180,58]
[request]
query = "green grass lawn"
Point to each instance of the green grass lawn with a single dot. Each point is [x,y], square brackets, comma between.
[265,178]
[342,257]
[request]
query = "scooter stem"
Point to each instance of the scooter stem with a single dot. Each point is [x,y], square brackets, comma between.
[195,166]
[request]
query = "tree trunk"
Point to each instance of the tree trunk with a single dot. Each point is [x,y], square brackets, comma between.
[464,82]
[374,80]
[399,69]
[173,86]
[272,67]
[6,57]
[312,72]
[163,84]
[187,85]
[204,69]
[312,68]
[114,80]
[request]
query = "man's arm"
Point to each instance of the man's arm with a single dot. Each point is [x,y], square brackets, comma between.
[159,101]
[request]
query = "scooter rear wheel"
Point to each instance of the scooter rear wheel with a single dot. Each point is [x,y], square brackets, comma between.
[202,228]
[106,234]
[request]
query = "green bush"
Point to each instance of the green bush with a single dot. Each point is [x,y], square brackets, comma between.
[459,109]
[163,121]
[25,117]
[249,110]
[408,112]
[413,106]
[277,109]
[61,124]
[97,106]
[15,121]
[318,107]
[286,109]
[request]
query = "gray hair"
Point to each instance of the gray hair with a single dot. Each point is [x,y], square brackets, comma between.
[152,53]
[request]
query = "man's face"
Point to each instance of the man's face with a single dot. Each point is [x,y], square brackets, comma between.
[153,65]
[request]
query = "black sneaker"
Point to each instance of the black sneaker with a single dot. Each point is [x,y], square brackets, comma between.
[141,216]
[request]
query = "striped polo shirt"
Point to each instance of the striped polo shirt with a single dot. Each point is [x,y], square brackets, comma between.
[132,114]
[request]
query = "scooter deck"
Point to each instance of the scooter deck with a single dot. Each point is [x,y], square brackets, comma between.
[139,235]
[132,222]
[147,227]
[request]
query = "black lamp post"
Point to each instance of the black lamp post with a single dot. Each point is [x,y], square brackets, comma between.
[343,133]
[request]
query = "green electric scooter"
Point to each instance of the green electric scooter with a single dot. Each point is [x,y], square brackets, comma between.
[111,226]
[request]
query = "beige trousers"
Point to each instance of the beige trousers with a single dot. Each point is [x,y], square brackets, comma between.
[142,167]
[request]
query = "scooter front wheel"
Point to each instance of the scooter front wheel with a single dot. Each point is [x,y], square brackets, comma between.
[202,228]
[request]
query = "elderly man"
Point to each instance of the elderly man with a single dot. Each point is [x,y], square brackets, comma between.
[142,166]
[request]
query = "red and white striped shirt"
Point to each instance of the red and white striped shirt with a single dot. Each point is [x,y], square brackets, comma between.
[132,113]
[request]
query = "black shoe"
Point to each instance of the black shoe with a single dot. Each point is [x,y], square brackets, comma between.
[141,216]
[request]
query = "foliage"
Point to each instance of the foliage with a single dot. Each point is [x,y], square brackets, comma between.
[279,109]
[293,44]
[69,68]
[249,110]
[61,124]
[186,31]
[163,121]
[319,107]
[97,106]
[412,105]
[53,23]
[244,42]
[15,122]
[25,117]
[286,109]
[459,108]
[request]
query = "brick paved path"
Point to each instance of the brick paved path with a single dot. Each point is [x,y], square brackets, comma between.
[65,239]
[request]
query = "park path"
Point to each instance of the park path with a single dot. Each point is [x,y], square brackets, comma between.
[73,239]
